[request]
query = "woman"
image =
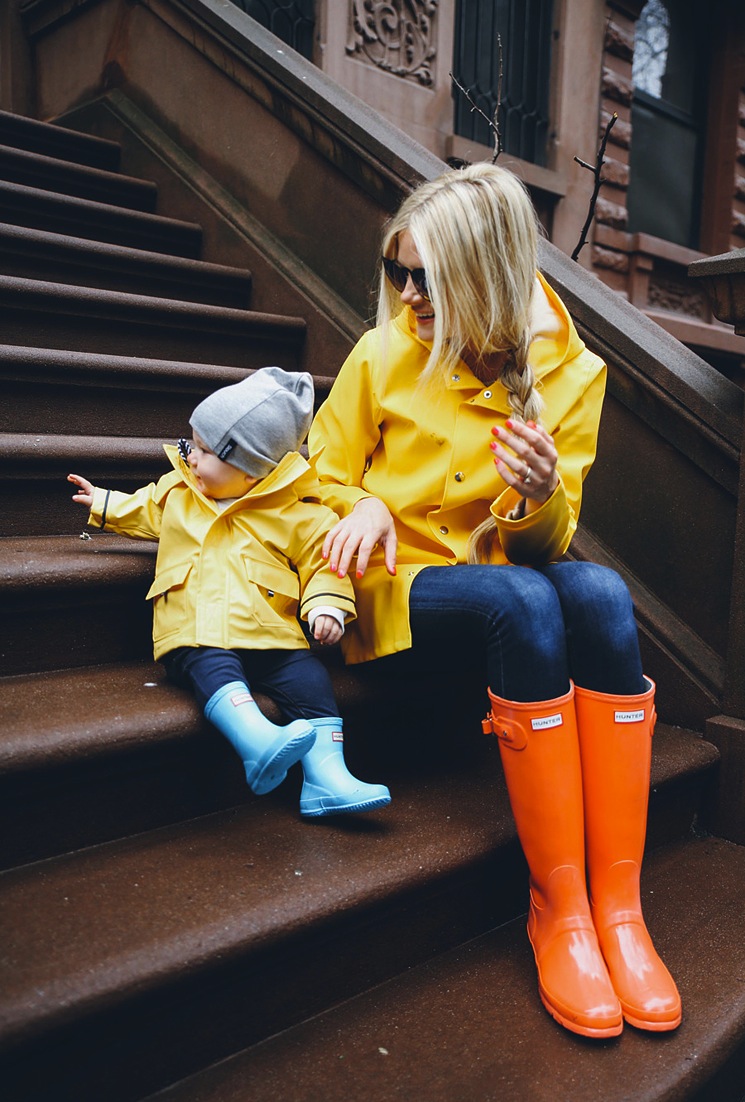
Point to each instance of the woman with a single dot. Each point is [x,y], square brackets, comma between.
[453,447]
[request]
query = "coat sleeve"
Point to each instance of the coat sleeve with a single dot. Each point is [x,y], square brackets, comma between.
[318,584]
[346,431]
[138,515]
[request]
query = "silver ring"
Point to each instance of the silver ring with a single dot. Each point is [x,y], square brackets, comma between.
[528,476]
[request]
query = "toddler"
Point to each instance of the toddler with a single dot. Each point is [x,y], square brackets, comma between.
[240,533]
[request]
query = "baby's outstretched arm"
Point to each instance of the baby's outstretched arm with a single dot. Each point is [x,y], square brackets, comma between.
[85,490]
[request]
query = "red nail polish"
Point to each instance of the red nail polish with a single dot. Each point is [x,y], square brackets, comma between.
[509,424]
[493,446]
[530,424]
[360,574]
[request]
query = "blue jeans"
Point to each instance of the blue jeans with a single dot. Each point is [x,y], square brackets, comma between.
[296,680]
[534,629]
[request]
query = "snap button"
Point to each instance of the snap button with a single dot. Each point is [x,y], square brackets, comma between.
[487,394]
[459,476]
[456,378]
[444,529]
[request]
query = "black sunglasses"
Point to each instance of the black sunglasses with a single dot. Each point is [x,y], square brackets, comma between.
[399,276]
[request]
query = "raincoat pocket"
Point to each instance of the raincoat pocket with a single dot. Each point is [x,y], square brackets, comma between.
[277,591]
[170,603]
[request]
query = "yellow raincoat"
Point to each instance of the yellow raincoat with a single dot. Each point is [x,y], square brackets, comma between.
[232,577]
[424,450]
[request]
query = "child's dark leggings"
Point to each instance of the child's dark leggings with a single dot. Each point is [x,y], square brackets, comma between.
[295,679]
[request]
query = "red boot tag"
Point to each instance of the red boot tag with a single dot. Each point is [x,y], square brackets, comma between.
[240,698]
[337,736]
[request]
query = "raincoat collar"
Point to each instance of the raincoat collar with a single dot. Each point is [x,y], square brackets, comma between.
[289,469]
[554,338]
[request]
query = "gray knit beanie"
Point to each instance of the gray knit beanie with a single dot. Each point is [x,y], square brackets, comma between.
[254,423]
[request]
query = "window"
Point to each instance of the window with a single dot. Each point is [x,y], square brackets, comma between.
[291,20]
[525,30]
[667,118]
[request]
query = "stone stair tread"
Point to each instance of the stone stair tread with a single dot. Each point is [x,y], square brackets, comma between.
[71,178]
[88,218]
[468,1025]
[70,364]
[86,930]
[57,562]
[47,718]
[49,247]
[49,138]
[25,294]
[38,312]
[63,365]
[37,449]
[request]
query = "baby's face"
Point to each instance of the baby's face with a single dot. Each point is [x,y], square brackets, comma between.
[215,477]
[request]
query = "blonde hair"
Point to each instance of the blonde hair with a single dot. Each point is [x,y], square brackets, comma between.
[476,232]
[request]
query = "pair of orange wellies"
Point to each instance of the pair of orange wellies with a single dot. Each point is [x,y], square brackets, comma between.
[577,771]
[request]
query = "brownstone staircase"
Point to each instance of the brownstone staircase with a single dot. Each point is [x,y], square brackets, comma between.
[162,931]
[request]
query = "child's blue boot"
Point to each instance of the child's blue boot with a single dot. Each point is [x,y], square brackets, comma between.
[329,788]
[267,751]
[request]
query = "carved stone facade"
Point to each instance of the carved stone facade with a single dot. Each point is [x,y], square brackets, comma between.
[397,36]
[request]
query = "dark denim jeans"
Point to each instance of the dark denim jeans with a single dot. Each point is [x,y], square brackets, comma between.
[294,679]
[532,629]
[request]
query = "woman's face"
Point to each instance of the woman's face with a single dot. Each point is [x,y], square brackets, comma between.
[422,307]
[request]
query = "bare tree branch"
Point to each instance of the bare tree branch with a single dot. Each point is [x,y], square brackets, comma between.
[492,123]
[596,170]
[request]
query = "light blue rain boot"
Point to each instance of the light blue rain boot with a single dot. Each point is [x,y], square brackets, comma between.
[267,751]
[329,788]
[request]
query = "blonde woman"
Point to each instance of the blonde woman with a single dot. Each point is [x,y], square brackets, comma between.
[453,447]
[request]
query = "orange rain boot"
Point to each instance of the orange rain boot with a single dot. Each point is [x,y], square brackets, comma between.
[540,756]
[615,735]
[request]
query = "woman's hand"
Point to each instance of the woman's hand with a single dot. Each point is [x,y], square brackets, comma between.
[370,523]
[326,630]
[525,457]
[85,490]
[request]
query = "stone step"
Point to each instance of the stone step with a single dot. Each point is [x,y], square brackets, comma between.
[37,254]
[194,941]
[91,400]
[468,1025]
[100,394]
[73,774]
[55,315]
[38,467]
[65,214]
[58,141]
[20,166]
[70,602]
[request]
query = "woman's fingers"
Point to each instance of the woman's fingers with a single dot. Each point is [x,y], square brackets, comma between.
[369,524]
[526,457]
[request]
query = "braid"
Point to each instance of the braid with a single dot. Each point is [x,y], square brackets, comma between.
[525,402]
[518,380]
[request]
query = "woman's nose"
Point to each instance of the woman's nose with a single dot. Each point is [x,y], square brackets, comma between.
[410,293]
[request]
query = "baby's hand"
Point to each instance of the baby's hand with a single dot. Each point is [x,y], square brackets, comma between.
[85,490]
[327,630]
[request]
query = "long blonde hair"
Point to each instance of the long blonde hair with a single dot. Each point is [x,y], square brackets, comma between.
[476,232]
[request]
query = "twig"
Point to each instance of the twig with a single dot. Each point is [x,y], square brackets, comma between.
[596,170]
[492,123]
